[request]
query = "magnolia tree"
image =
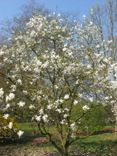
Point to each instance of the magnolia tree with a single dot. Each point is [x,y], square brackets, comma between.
[52,73]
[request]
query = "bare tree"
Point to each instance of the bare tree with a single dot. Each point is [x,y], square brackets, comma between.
[104,16]
[96,15]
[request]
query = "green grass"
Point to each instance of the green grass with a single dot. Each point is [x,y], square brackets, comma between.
[104,144]
[102,137]
[98,145]
[28,127]
[31,127]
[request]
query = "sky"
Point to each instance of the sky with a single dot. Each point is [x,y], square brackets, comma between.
[10,8]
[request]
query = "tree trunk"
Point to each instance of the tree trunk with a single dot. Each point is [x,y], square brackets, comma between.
[66,151]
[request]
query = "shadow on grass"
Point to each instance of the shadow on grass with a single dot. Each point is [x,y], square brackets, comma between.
[26,138]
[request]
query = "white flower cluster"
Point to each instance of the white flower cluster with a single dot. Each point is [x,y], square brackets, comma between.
[10,97]
[1,92]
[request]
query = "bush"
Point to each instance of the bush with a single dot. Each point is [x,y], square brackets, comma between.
[8,127]
[95,120]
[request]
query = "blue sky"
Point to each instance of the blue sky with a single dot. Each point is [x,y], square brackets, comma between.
[10,8]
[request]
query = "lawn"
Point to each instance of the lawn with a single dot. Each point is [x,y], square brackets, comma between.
[104,144]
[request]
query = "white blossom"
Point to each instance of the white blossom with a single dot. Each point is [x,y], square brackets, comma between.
[10,125]
[20,133]
[21,104]
[49,106]
[75,102]
[41,111]
[10,97]
[64,49]
[37,118]
[85,108]
[31,106]
[5,116]
[45,118]
[25,92]
[59,110]
[7,106]
[1,92]
[90,99]
[19,81]
[63,122]
[65,115]
[66,97]
[73,126]
[13,88]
